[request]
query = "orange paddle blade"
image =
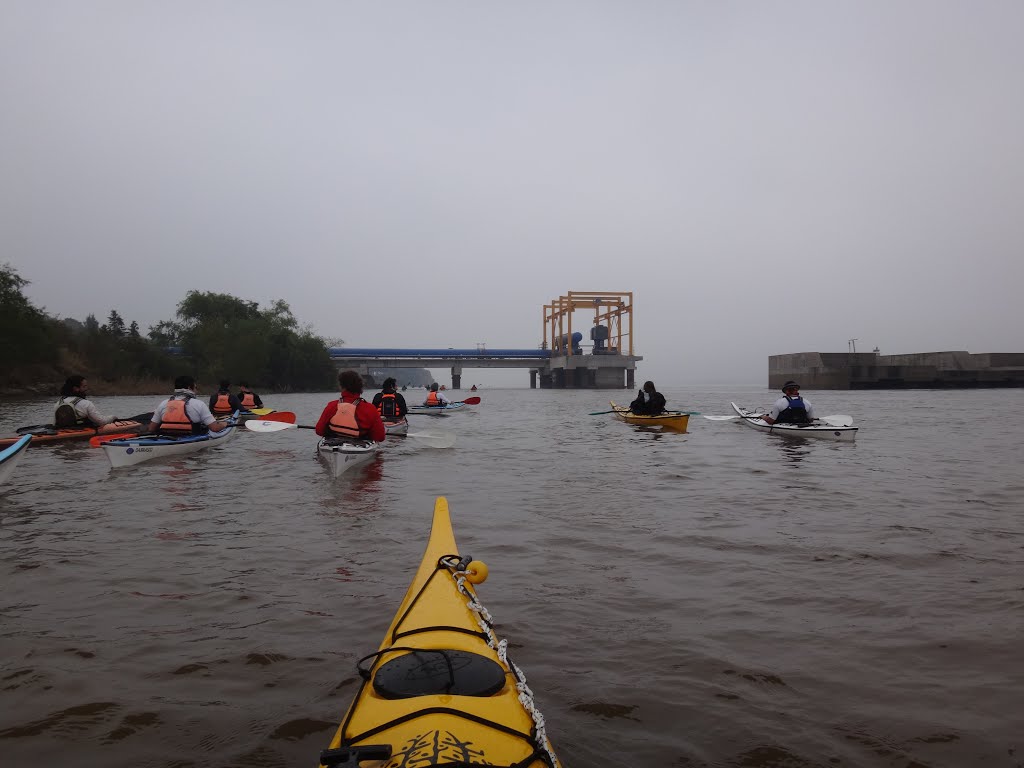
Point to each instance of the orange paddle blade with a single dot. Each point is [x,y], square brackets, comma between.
[97,441]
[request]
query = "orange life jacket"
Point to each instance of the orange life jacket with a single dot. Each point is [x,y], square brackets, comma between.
[343,423]
[222,405]
[248,400]
[433,399]
[176,418]
[388,407]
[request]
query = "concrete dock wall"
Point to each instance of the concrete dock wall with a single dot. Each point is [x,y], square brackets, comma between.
[923,370]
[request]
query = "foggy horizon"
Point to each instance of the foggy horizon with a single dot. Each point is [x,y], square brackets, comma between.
[765,179]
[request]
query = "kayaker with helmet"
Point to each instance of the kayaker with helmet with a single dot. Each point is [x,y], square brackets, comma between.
[434,398]
[652,405]
[247,398]
[350,416]
[389,404]
[74,408]
[222,402]
[183,413]
[791,408]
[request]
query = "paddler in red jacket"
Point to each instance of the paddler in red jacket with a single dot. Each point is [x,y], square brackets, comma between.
[351,416]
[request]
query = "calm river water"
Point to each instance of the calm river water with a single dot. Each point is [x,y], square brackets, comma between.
[717,598]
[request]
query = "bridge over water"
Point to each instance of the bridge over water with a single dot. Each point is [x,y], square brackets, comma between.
[571,368]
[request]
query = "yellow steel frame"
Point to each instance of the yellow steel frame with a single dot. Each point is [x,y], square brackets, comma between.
[609,306]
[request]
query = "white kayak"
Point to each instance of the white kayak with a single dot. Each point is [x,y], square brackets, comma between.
[397,427]
[10,456]
[343,455]
[135,450]
[816,429]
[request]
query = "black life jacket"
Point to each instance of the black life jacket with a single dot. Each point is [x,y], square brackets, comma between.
[388,406]
[794,413]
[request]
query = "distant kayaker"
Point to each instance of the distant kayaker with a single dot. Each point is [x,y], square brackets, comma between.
[652,405]
[183,413]
[75,410]
[790,408]
[389,404]
[222,402]
[350,415]
[434,398]
[247,398]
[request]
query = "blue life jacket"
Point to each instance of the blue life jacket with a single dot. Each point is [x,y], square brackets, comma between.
[794,413]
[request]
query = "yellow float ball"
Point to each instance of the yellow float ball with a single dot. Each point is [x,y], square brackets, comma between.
[476,572]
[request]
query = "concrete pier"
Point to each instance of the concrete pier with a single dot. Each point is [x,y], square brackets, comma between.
[921,370]
[579,371]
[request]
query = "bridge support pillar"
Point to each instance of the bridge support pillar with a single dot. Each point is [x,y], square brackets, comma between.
[456,377]
[533,379]
[630,375]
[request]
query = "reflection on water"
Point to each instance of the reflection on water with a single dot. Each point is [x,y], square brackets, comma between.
[719,597]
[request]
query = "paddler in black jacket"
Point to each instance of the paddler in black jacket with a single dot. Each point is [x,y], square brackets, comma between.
[652,405]
[389,404]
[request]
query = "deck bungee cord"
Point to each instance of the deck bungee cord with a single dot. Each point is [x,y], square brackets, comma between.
[442,672]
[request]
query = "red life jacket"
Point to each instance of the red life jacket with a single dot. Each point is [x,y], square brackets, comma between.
[433,399]
[248,400]
[343,423]
[222,406]
[176,418]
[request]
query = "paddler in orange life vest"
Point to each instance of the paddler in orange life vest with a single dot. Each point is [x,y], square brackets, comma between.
[247,398]
[222,402]
[183,413]
[350,416]
[434,398]
[389,404]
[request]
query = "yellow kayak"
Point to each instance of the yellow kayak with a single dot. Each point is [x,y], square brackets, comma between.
[441,690]
[677,420]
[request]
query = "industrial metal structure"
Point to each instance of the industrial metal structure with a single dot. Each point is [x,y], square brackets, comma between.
[610,328]
[561,361]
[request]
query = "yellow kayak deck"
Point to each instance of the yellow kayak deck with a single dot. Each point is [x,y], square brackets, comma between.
[676,420]
[441,690]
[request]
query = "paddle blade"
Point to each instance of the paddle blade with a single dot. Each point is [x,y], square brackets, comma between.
[721,418]
[599,413]
[838,421]
[99,440]
[472,401]
[284,416]
[433,439]
[265,425]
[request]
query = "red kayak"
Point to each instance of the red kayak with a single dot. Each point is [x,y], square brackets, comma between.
[47,433]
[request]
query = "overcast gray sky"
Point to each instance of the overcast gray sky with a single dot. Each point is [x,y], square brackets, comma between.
[766,177]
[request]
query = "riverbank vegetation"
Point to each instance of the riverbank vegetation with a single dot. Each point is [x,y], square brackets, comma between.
[213,336]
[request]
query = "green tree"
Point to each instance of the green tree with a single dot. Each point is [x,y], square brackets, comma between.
[115,324]
[228,337]
[29,335]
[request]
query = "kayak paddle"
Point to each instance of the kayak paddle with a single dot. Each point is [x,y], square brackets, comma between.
[433,439]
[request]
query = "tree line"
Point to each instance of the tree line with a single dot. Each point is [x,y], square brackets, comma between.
[213,336]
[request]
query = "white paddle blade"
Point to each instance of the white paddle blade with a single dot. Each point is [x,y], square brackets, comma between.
[721,418]
[838,421]
[267,426]
[434,439]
